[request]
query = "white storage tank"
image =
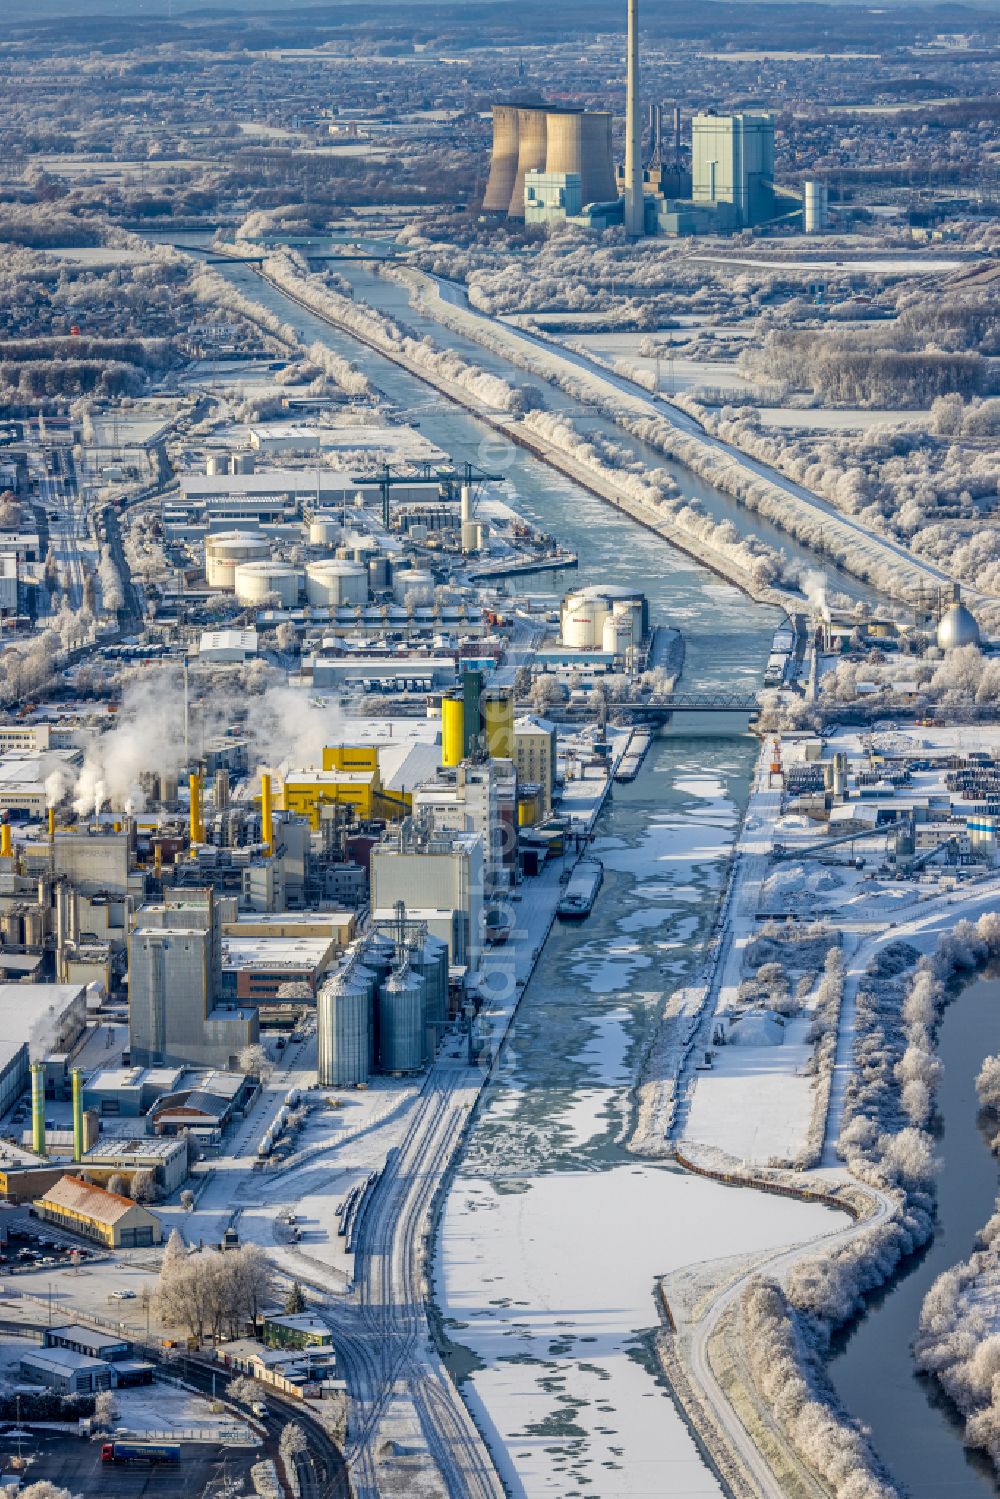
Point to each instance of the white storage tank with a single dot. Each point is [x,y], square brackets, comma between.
[256,580]
[324,531]
[416,582]
[331,582]
[616,634]
[582,619]
[635,611]
[225,550]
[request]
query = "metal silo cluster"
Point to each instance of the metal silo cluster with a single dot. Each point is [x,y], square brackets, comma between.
[386,1007]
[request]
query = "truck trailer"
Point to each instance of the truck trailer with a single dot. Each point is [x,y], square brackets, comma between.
[167,1453]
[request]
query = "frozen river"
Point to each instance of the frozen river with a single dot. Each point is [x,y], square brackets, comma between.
[552,1234]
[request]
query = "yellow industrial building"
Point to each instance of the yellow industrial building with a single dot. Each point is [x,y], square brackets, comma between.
[103,1216]
[350,777]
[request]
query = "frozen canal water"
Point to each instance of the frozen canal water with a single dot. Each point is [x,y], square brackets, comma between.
[552,1234]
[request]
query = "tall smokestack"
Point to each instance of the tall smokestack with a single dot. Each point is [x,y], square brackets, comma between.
[677,133]
[38,1107]
[635,212]
[266,814]
[196,828]
[77,1077]
[6,841]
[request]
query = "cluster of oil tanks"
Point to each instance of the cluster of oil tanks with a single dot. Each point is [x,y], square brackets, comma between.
[384,1010]
[604,618]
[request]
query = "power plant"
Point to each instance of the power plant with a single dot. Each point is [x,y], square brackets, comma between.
[540,139]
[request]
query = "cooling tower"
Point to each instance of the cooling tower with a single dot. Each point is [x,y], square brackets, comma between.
[581,142]
[531,147]
[503,163]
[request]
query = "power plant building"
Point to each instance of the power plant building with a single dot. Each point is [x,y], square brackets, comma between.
[558,145]
[732,167]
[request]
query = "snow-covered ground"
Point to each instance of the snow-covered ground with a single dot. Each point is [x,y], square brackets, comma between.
[565,1385]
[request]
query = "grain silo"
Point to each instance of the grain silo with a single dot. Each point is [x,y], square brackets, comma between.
[531,148]
[256,581]
[401,1021]
[498,723]
[452,730]
[225,550]
[503,161]
[331,582]
[343,1028]
[580,141]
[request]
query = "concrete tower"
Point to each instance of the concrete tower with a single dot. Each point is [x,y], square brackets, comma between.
[635,213]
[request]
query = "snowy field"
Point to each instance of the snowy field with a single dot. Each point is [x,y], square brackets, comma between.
[547,1283]
[851,419]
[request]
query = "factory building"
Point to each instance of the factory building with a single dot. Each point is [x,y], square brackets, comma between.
[81,1208]
[553,142]
[535,756]
[732,167]
[175,979]
[467,800]
[56,1013]
[443,870]
[68,1372]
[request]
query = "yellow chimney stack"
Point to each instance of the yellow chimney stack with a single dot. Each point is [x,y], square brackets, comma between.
[6,841]
[266,815]
[196,824]
[52,822]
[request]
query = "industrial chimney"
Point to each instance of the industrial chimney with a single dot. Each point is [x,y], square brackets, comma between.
[635,211]
[38,1107]
[77,1077]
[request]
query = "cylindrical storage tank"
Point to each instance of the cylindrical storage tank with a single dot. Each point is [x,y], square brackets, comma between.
[401,1021]
[378,574]
[616,634]
[503,161]
[814,206]
[430,959]
[226,550]
[528,808]
[254,581]
[531,146]
[472,536]
[242,463]
[34,926]
[12,927]
[437,959]
[634,610]
[379,953]
[581,142]
[498,724]
[417,583]
[452,730]
[324,531]
[330,583]
[343,1031]
[583,616]
[215,463]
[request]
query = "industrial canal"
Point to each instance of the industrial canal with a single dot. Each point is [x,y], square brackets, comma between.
[549,1321]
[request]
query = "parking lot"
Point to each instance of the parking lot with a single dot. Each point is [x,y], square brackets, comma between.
[75,1463]
[33,1245]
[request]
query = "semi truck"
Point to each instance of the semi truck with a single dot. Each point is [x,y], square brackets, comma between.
[168,1453]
